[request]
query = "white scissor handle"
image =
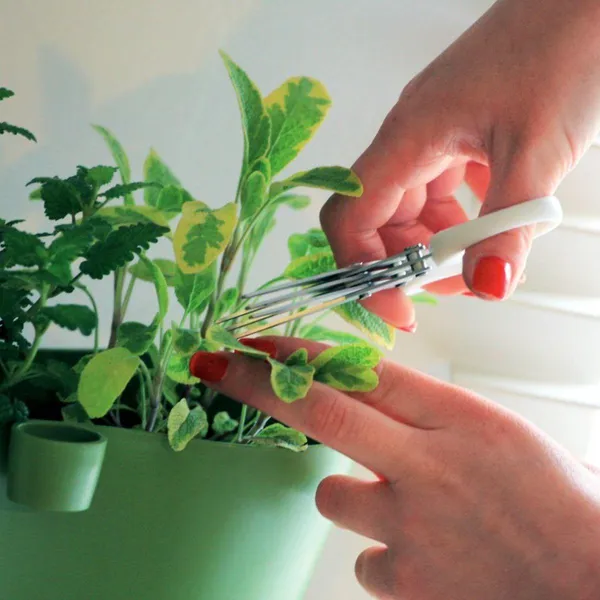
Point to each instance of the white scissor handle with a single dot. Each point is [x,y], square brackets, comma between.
[448,246]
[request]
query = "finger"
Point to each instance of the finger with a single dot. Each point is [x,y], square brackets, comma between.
[364,507]
[493,268]
[374,572]
[403,394]
[362,433]
[477,177]
[448,182]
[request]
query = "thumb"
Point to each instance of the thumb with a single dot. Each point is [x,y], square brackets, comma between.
[493,268]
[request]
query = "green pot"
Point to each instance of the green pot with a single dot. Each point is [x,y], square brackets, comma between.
[213,522]
[54,466]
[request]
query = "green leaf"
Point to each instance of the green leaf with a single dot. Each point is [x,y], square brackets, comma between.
[297,358]
[104,378]
[167,267]
[178,369]
[74,413]
[60,199]
[184,425]
[350,355]
[70,244]
[324,334]
[119,248]
[193,291]
[74,317]
[220,336]
[303,244]
[335,179]
[424,298]
[290,383]
[155,170]
[5,93]
[226,302]
[20,248]
[171,199]
[279,435]
[14,130]
[254,194]
[293,201]
[367,322]
[160,283]
[132,215]
[313,264]
[137,337]
[349,379]
[185,341]
[202,235]
[101,175]
[119,156]
[296,108]
[223,423]
[123,190]
[255,120]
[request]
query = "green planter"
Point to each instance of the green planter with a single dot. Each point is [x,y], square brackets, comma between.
[214,522]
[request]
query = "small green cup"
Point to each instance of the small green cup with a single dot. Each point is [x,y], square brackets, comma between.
[54,466]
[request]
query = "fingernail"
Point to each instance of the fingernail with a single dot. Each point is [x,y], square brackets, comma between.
[261,345]
[470,294]
[208,367]
[491,278]
[410,329]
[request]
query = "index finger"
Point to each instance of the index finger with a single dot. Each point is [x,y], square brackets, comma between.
[356,430]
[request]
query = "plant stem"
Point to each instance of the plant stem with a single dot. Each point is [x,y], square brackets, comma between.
[117,300]
[87,292]
[145,389]
[127,298]
[242,423]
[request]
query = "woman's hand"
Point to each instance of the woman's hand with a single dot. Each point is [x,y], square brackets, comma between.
[519,92]
[472,502]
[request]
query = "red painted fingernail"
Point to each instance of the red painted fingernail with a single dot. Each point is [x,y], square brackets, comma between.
[491,278]
[470,294]
[208,367]
[261,345]
[410,329]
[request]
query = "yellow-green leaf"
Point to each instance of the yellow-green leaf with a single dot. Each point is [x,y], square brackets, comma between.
[349,378]
[335,179]
[193,291]
[296,108]
[220,336]
[183,425]
[367,322]
[349,355]
[185,341]
[299,357]
[290,382]
[160,283]
[167,267]
[226,302]
[137,337]
[104,378]
[178,369]
[255,120]
[157,171]
[254,194]
[120,216]
[202,235]
[223,423]
[313,264]
[280,436]
[119,156]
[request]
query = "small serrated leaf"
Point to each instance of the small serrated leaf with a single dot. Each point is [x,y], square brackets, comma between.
[15,130]
[183,425]
[185,341]
[74,317]
[119,248]
[123,190]
[60,199]
[5,93]
[101,175]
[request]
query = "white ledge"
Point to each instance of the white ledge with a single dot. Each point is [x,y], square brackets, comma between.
[581,306]
[580,394]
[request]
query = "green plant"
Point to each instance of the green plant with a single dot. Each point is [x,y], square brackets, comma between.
[142,378]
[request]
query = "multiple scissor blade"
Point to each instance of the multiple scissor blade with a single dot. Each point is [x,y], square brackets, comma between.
[288,301]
